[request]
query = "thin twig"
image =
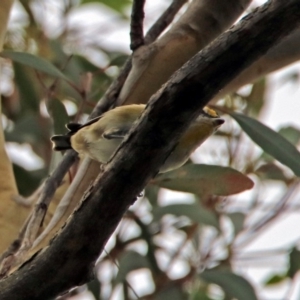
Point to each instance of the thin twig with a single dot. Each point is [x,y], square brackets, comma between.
[40,209]
[110,97]
[136,24]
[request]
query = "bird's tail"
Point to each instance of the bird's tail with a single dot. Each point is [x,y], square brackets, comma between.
[61,142]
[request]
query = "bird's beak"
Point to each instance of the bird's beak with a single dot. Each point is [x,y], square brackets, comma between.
[218,122]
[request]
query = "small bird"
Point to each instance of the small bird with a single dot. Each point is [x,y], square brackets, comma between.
[100,137]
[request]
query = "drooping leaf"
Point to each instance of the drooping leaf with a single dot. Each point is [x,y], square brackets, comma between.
[58,112]
[291,133]
[130,261]
[275,279]
[234,286]
[294,259]
[94,287]
[271,171]
[172,291]
[26,130]
[205,180]
[270,141]
[151,193]
[117,58]
[237,220]
[200,295]
[117,5]
[256,98]
[33,61]
[27,181]
[195,212]
[27,88]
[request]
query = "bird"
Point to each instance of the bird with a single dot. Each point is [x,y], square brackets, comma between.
[100,137]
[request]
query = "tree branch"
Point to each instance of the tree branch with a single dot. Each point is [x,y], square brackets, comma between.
[136,24]
[69,259]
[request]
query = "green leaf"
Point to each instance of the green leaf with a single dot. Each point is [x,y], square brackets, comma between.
[205,180]
[199,295]
[270,141]
[171,291]
[27,87]
[58,112]
[195,212]
[117,5]
[94,287]
[271,171]
[27,129]
[275,279]
[237,220]
[256,98]
[291,133]
[151,193]
[130,261]
[234,286]
[294,259]
[28,181]
[117,59]
[34,62]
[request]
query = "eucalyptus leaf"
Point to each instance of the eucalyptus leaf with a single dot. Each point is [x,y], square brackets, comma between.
[234,286]
[270,141]
[291,133]
[275,279]
[200,295]
[27,87]
[271,171]
[172,291]
[294,260]
[237,220]
[33,61]
[117,5]
[195,212]
[205,180]
[256,98]
[130,261]
[58,112]
[94,287]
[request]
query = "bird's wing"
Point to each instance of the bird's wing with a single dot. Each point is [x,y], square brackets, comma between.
[115,133]
[74,127]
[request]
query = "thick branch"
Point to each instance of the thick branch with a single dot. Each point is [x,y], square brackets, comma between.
[70,258]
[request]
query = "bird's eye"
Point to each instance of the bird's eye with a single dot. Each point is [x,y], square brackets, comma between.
[210,112]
